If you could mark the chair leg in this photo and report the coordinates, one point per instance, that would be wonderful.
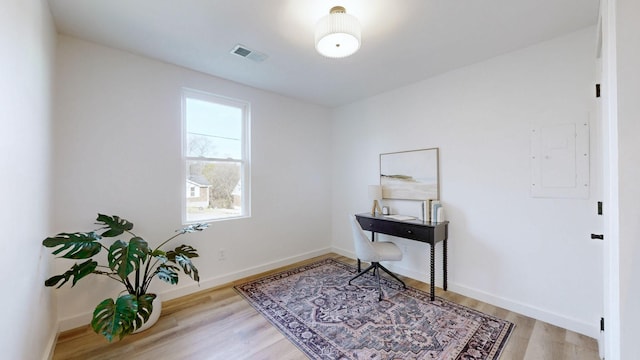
(392, 275)
(377, 272)
(373, 266)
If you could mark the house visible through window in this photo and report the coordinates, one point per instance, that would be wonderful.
(216, 150)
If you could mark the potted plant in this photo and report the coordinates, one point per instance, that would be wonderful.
(133, 264)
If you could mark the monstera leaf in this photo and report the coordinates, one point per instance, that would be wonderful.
(122, 317)
(160, 255)
(115, 224)
(145, 308)
(182, 256)
(193, 227)
(186, 250)
(124, 258)
(115, 319)
(77, 271)
(77, 245)
(168, 274)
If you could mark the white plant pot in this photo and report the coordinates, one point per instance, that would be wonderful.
(153, 318)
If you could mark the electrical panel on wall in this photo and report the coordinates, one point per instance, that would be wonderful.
(560, 159)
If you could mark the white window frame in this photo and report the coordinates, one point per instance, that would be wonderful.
(245, 164)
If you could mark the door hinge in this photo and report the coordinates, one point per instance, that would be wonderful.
(599, 207)
(601, 324)
(597, 90)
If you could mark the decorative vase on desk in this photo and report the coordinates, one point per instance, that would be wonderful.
(375, 194)
(425, 211)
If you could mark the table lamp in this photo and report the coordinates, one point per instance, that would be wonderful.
(375, 193)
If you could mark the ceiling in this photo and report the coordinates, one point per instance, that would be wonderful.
(403, 41)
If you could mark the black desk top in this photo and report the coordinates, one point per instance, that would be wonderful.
(414, 221)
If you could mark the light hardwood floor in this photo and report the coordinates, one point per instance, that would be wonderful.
(219, 324)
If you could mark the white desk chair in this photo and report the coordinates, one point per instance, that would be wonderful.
(374, 252)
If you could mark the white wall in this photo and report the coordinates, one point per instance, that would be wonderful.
(27, 43)
(118, 151)
(628, 90)
(527, 254)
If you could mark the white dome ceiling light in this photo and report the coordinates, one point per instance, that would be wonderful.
(338, 34)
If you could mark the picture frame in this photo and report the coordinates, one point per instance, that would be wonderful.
(410, 175)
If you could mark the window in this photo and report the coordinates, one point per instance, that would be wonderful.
(216, 157)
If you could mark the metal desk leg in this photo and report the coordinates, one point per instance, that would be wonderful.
(444, 264)
(433, 271)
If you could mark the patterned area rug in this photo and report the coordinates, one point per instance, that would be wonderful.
(315, 308)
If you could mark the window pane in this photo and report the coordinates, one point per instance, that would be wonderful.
(213, 130)
(217, 190)
(215, 146)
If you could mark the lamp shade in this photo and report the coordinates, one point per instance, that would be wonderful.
(375, 192)
(337, 34)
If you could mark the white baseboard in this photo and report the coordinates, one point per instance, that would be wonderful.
(74, 321)
(51, 345)
(588, 329)
(227, 278)
(85, 318)
(591, 330)
(343, 252)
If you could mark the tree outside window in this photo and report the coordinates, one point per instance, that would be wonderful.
(216, 157)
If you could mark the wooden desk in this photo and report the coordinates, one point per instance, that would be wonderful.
(427, 232)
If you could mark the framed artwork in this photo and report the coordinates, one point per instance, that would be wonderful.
(410, 175)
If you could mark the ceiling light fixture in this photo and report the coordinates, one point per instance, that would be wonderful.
(338, 34)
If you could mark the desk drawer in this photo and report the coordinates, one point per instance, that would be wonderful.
(407, 231)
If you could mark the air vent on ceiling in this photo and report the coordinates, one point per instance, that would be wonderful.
(247, 53)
